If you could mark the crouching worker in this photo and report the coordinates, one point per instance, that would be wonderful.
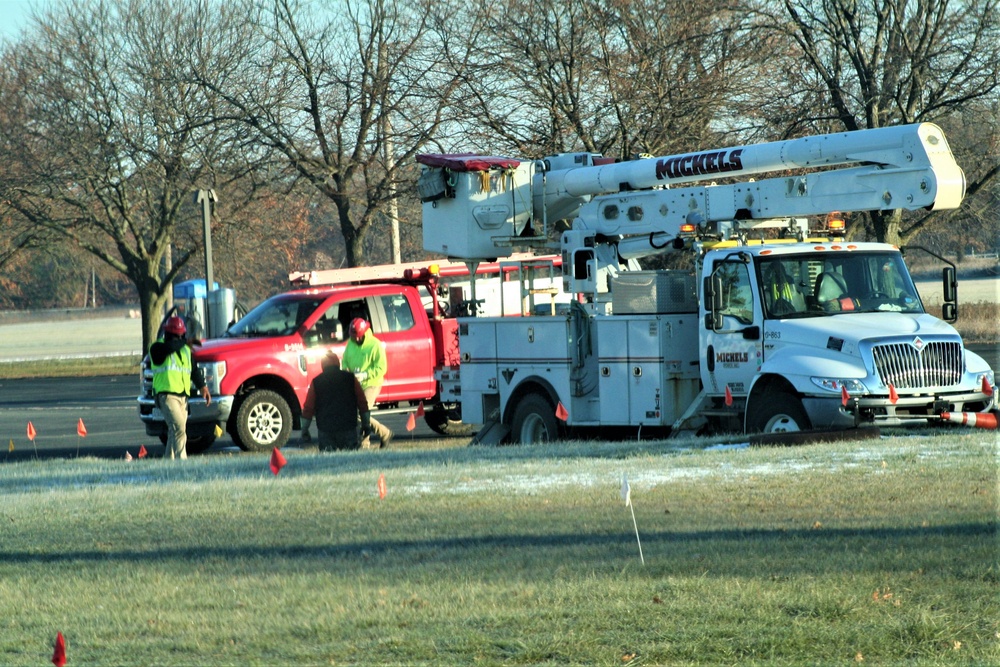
(336, 401)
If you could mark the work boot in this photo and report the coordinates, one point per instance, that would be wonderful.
(386, 439)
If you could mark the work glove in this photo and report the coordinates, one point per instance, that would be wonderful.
(361, 375)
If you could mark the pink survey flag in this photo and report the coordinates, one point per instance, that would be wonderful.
(277, 461)
(561, 413)
(59, 651)
(81, 430)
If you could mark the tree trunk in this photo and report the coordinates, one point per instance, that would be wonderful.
(888, 226)
(151, 305)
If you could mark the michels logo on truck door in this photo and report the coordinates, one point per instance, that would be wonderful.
(713, 162)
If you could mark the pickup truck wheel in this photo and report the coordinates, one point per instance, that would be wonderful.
(263, 421)
(199, 445)
(534, 421)
(777, 412)
(446, 422)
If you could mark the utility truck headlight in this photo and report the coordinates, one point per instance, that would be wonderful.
(213, 371)
(837, 385)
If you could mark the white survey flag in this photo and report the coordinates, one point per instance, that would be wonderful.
(626, 491)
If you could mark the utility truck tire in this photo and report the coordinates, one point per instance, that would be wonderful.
(778, 412)
(446, 422)
(263, 421)
(534, 421)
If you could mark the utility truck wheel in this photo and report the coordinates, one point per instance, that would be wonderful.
(263, 421)
(446, 422)
(777, 412)
(534, 421)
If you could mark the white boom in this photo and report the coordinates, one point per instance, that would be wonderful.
(909, 166)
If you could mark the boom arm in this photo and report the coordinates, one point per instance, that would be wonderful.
(919, 154)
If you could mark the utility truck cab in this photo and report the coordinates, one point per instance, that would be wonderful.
(830, 335)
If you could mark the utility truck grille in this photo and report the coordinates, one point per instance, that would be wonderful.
(910, 366)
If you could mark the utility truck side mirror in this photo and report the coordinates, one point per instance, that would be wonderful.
(712, 295)
(949, 309)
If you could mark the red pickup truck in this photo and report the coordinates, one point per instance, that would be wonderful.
(259, 371)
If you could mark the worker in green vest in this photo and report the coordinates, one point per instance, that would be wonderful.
(365, 357)
(173, 374)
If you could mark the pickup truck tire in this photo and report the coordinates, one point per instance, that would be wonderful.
(446, 422)
(777, 412)
(534, 421)
(194, 445)
(263, 421)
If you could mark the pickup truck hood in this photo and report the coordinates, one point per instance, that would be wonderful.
(221, 348)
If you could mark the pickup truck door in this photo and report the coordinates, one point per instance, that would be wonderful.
(400, 322)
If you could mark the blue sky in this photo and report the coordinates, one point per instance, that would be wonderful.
(14, 15)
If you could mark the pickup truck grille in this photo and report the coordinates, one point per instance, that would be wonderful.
(938, 364)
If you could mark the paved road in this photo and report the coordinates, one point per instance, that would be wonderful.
(107, 407)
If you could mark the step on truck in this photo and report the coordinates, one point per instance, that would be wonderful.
(778, 327)
(259, 370)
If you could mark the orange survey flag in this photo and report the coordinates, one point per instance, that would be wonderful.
(81, 430)
(411, 422)
(142, 451)
(561, 412)
(420, 408)
(31, 432)
(729, 397)
(381, 486)
(278, 461)
(59, 651)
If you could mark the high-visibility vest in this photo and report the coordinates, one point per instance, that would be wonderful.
(173, 376)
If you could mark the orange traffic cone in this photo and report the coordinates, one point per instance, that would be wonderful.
(977, 419)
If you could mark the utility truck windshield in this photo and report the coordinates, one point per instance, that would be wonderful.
(816, 285)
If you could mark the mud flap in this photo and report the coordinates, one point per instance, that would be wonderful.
(492, 433)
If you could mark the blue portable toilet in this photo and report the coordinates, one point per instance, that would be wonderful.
(189, 297)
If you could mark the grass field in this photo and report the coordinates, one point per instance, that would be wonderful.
(879, 552)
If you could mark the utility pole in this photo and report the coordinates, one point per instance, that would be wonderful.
(207, 198)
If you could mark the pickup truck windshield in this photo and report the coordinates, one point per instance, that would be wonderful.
(280, 315)
(816, 285)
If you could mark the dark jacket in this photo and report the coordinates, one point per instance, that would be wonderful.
(336, 400)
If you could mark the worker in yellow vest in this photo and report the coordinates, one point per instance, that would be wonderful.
(173, 374)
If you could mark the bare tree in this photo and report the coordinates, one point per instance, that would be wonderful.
(619, 77)
(107, 149)
(889, 62)
(331, 90)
